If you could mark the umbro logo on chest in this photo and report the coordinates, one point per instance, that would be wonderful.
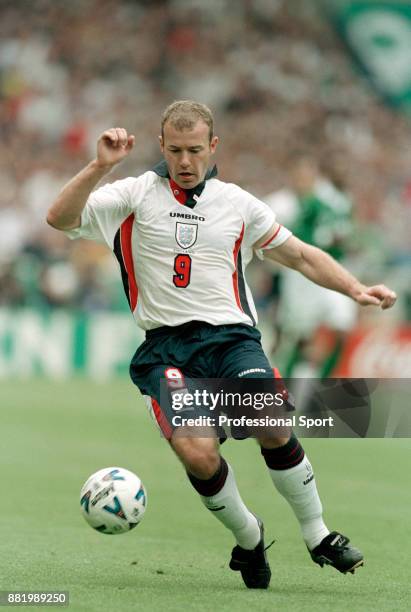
(187, 216)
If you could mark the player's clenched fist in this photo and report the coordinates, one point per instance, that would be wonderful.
(378, 295)
(113, 146)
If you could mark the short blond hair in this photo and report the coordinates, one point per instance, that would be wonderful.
(184, 114)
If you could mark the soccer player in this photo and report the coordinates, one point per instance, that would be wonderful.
(318, 213)
(183, 239)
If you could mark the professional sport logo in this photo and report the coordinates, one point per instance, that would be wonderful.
(186, 234)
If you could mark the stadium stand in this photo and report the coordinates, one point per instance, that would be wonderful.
(275, 73)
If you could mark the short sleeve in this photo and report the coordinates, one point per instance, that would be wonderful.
(259, 219)
(106, 209)
(280, 235)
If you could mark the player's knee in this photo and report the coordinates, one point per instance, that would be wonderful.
(200, 457)
(202, 464)
(273, 441)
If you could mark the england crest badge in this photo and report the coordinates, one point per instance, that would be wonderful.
(186, 234)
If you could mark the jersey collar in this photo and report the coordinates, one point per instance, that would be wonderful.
(187, 197)
(162, 170)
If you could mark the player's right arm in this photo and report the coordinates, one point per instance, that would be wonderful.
(113, 146)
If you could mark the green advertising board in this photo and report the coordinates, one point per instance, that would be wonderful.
(60, 344)
(378, 34)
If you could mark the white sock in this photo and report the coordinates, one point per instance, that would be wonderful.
(297, 486)
(228, 507)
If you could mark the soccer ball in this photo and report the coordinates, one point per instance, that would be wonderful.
(113, 500)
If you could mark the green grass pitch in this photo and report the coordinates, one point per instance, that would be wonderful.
(54, 435)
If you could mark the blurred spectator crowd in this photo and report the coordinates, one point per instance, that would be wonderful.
(275, 74)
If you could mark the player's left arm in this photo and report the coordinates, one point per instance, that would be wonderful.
(323, 270)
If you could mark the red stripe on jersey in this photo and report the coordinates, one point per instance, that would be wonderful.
(178, 192)
(161, 419)
(271, 238)
(236, 250)
(126, 232)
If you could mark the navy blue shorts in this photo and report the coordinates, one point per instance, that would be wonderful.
(192, 351)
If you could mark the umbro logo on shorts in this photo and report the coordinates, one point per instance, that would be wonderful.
(251, 371)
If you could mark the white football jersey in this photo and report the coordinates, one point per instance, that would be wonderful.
(180, 264)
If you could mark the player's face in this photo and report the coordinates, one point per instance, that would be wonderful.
(303, 177)
(187, 153)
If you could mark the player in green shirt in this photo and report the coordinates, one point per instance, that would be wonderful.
(317, 212)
